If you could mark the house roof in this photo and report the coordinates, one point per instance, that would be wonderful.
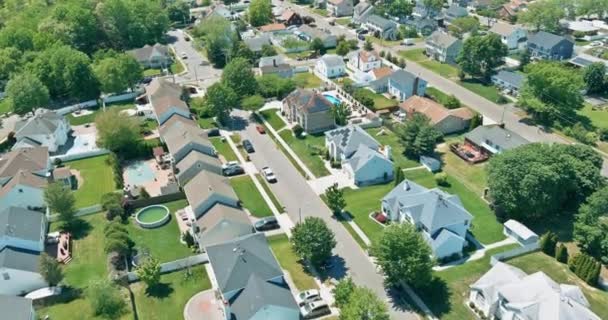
(315, 32)
(583, 60)
(25, 178)
(261, 299)
(433, 110)
(236, 261)
(16, 308)
(503, 138)
(513, 78)
(26, 159)
(287, 14)
(520, 229)
(204, 185)
(444, 236)
(270, 61)
(381, 72)
(364, 56)
(255, 44)
(147, 51)
(455, 10)
(308, 101)
(165, 95)
(503, 29)
(194, 158)
(223, 223)
(499, 274)
(402, 80)
(442, 39)
(41, 124)
(363, 156)
(62, 173)
(546, 39)
(336, 2)
(381, 22)
(176, 118)
(362, 6)
(332, 60)
(21, 223)
(272, 27)
(180, 135)
(19, 259)
(349, 138)
(275, 69)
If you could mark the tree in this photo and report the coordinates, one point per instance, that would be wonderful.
(544, 14)
(313, 241)
(536, 182)
(403, 255)
(335, 198)
(220, 99)
(418, 136)
(260, 12)
(364, 304)
(272, 85)
(561, 254)
(179, 11)
(459, 26)
(547, 243)
(433, 4)
(106, 299)
(441, 178)
(238, 76)
(317, 46)
(452, 102)
(591, 7)
(149, 272)
(595, 78)
(118, 73)
(400, 8)
(343, 48)
(26, 93)
(116, 132)
(268, 51)
(50, 270)
(480, 55)
(341, 112)
(9, 62)
(61, 200)
(218, 37)
(590, 230)
(343, 291)
(368, 45)
(254, 102)
(399, 176)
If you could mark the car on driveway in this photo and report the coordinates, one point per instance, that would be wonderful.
(314, 309)
(269, 174)
(265, 224)
(248, 146)
(260, 129)
(307, 296)
(184, 55)
(233, 171)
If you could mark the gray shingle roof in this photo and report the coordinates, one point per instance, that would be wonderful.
(28, 159)
(261, 299)
(494, 135)
(22, 223)
(402, 80)
(164, 95)
(204, 185)
(348, 139)
(545, 39)
(44, 123)
(181, 135)
(442, 39)
(503, 29)
(147, 51)
(363, 155)
(223, 223)
(456, 11)
(15, 308)
(512, 78)
(381, 22)
(256, 44)
(236, 261)
(308, 101)
(270, 61)
(19, 259)
(332, 60)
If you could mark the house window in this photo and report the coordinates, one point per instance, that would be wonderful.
(6, 276)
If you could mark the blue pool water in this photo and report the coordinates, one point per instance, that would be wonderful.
(139, 173)
(332, 99)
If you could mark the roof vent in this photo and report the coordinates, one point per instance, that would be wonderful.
(406, 186)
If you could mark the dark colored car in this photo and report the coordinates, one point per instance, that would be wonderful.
(146, 80)
(248, 146)
(213, 132)
(233, 171)
(268, 223)
(361, 37)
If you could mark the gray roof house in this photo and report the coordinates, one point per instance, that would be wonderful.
(256, 44)
(48, 129)
(454, 11)
(207, 189)
(166, 101)
(220, 224)
(508, 81)
(22, 228)
(362, 10)
(19, 273)
(310, 109)
(195, 162)
(369, 166)
(381, 27)
(443, 47)
(402, 85)
(340, 8)
(156, 56)
(309, 33)
(424, 26)
(508, 291)
(513, 36)
(330, 66)
(251, 280)
(548, 46)
(343, 142)
(275, 65)
(17, 308)
(440, 216)
(493, 139)
(182, 139)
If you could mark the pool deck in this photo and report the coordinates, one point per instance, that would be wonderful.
(161, 178)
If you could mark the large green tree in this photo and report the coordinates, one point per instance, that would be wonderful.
(313, 241)
(118, 73)
(543, 15)
(418, 136)
(480, 55)
(218, 37)
(260, 12)
(179, 11)
(149, 272)
(9, 62)
(61, 200)
(238, 76)
(117, 133)
(335, 198)
(537, 182)
(26, 93)
(591, 7)
(219, 101)
(591, 226)
(50, 270)
(595, 77)
(460, 26)
(363, 303)
(341, 113)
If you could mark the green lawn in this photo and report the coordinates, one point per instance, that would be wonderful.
(382, 42)
(236, 139)
(361, 202)
(98, 179)
(560, 273)
(76, 306)
(207, 123)
(167, 302)
(443, 69)
(306, 80)
(223, 148)
(321, 12)
(89, 118)
(487, 91)
(289, 261)
(473, 176)
(439, 96)
(599, 118)
(4, 106)
(176, 67)
(415, 55)
(250, 196)
(343, 21)
(152, 72)
(380, 102)
(392, 140)
(304, 147)
(275, 121)
(269, 192)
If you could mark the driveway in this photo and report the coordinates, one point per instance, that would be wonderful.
(300, 201)
(197, 65)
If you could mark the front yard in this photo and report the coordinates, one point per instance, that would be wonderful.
(487, 91)
(391, 139)
(273, 119)
(281, 247)
(307, 149)
(361, 202)
(306, 80)
(443, 69)
(250, 196)
(97, 179)
(598, 117)
(223, 148)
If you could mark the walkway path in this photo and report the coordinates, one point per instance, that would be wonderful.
(476, 255)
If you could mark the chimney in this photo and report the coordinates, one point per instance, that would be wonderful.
(415, 89)
(406, 186)
(274, 62)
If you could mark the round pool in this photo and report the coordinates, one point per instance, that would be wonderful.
(152, 216)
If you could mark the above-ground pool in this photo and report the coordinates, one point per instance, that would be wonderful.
(152, 216)
(139, 173)
(332, 99)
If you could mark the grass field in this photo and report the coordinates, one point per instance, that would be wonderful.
(5, 107)
(89, 118)
(443, 69)
(266, 187)
(207, 123)
(487, 91)
(321, 12)
(152, 72)
(599, 118)
(250, 196)
(473, 176)
(380, 102)
(98, 179)
(361, 202)
(275, 121)
(223, 148)
(306, 80)
(392, 140)
(303, 148)
(343, 21)
(281, 247)
(75, 305)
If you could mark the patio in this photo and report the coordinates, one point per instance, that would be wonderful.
(82, 139)
(205, 306)
(468, 153)
(147, 174)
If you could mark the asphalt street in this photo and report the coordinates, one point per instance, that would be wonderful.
(199, 71)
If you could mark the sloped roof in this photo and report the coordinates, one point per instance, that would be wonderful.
(443, 237)
(332, 60)
(381, 72)
(433, 110)
(257, 43)
(270, 61)
(350, 137)
(521, 230)
(545, 39)
(363, 156)
(180, 135)
(442, 39)
(204, 185)
(402, 79)
(499, 274)
(26, 159)
(16, 308)
(165, 95)
(503, 29)
(19, 259)
(236, 261)
(498, 136)
(147, 51)
(21, 223)
(513, 78)
(41, 124)
(287, 14)
(26, 178)
(272, 27)
(223, 223)
(176, 118)
(308, 101)
(196, 157)
(381, 22)
(261, 299)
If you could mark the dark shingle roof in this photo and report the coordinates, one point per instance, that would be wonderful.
(509, 77)
(381, 22)
(21, 223)
(261, 299)
(308, 101)
(19, 259)
(504, 138)
(545, 39)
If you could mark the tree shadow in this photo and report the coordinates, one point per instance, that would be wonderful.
(160, 291)
(562, 226)
(440, 303)
(79, 228)
(335, 269)
(237, 123)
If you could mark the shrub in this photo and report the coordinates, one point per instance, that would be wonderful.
(106, 300)
(144, 193)
(441, 178)
(548, 242)
(254, 102)
(188, 239)
(472, 306)
(401, 63)
(297, 130)
(561, 254)
(342, 291)
(585, 267)
(602, 134)
(389, 56)
(452, 102)
(502, 99)
(581, 134)
(382, 54)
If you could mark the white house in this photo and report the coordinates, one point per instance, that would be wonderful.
(207, 189)
(513, 36)
(17, 308)
(24, 190)
(48, 129)
(330, 66)
(506, 292)
(368, 166)
(343, 142)
(439, 216)
(22, 229)
(402, 85)
(364, 60)
(19, 273)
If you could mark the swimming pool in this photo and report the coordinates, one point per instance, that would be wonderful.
(332, 99)
(139, 173)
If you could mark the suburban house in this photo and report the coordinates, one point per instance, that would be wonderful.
(379, 73)
(48, 129)
(24, 190)
(548, 46)
(513, 36)
(424, 26)
(195, 162)
(34, 160)
(273, 27)
(341, 143)
(250, 280)
(362, 10)
(492, 139)
(340, 8)
(156, 56)
(22, 229)
(17, 308)
(309, 33)
(220, 224)
(256, 44)
(310, 109)
(182, 138)
(368, 166)
(443, 119)
(421, 10)
(508, 81)
(290, 18)
(330, 66)
(507, 292)
(402, 85)
(381, 27)
(509, 10)
(443, 47)
(439, 216)
(364, 61)
(275, 65)
(207, 189)
(518, 231)
(454, 11)
(19, 271)
(166, 101)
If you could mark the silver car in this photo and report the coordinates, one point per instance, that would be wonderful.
(315, 309)
(307, 296)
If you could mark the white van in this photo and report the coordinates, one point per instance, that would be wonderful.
(408, 42)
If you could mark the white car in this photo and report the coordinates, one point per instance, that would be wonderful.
(596, 43)
(314, 309)
(269, 175)
(184, 55)
(307, 296)
(230, 164)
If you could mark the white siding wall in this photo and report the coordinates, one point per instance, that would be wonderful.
(20, 282)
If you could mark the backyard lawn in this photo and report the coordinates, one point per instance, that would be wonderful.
(76, 306)
(98, 179)
(473, 176)
(306, 80)
(89, 118)
(304, 147)
(392, 140)
(275, 121)
(207, 123)
(380, 102)
(223, 148)
(560, 273)
(167, 302)
(598, 117)
(266, 187)
(250, 196)
(281, 247)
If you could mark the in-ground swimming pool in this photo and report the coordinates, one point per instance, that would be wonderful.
(332, 99)
(152, 216)
(139, 173)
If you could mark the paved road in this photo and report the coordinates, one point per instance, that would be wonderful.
(295, 194)
(198, 67)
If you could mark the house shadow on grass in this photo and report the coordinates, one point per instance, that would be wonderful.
(160, 291)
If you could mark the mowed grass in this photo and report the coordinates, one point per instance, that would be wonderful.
(98, 179)
(361, 202)
(487, 91)
(79, 307)
(250, 196)
(206, 123)
(305, 147)
(343, 21)
(599, 118)
(273, 119)
(380, 102)
(474, 176)
(167, 301)
(223, 148)
(443, 69)
(288, 260)
(391, 139)
(306, 80)
(269, 192)
(89, 118)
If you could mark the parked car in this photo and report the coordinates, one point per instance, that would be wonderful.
(307, 296)
(314, 309)
(146, 80)
(361, 37)
(213, 132)
(260, 129)
(265, 224)
(596, 43)
(248, 146)
(268, 174)
(230, 164)
(184, 55)
(233, 171)
(408, 42)
(332, 22)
